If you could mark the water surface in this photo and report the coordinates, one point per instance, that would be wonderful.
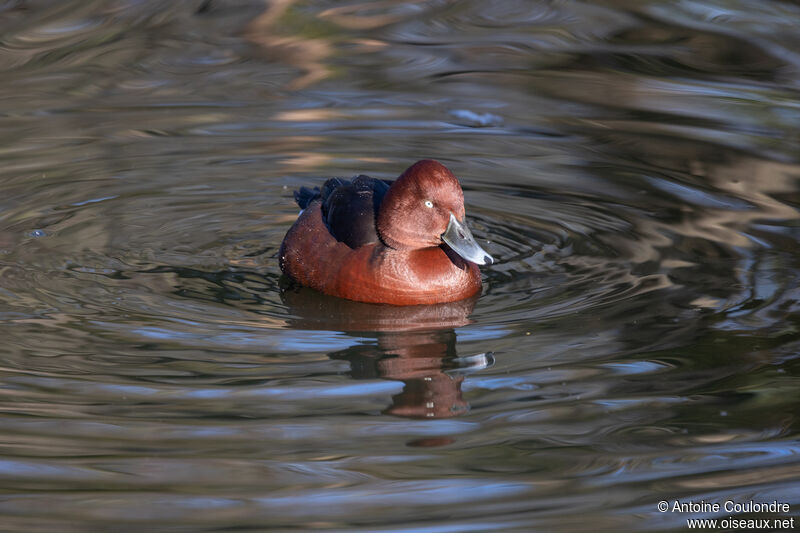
(631, 165)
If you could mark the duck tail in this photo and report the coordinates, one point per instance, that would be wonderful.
(305, 196)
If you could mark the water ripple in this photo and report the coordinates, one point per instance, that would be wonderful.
(632, 166)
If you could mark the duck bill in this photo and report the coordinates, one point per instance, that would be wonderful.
(460, 239)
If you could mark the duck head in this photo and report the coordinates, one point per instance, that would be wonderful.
(425, 208)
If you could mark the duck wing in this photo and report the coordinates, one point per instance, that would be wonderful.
(349, 207)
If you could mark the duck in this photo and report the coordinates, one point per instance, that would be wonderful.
(401, 242)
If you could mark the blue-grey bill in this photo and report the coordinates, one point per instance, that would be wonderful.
(460, 239)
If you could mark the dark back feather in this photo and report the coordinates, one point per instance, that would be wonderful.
(305, 196)
(349, 207)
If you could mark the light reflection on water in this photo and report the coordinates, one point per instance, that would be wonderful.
(632, 166)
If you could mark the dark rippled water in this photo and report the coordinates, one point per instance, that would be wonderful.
(633, 166)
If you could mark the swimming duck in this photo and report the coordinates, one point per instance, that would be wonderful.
(402, 243)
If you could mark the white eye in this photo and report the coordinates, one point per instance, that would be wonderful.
(428, 203)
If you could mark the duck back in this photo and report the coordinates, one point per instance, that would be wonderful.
(349, 207)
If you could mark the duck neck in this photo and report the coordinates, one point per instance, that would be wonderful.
(395, 236)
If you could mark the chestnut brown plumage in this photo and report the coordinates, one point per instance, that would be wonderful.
(382, 242)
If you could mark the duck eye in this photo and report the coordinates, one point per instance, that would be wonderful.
(428, 203)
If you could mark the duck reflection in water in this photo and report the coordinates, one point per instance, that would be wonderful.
(413, 344)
